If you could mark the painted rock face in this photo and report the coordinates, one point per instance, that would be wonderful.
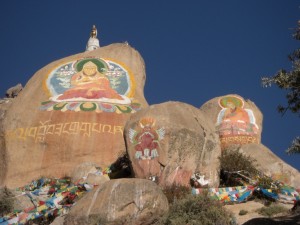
(237, 121)
(73, 111)
(91, 84)
(169, 142)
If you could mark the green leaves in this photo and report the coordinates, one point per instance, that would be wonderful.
(290, 82)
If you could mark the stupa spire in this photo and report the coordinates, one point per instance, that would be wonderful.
(93, 42)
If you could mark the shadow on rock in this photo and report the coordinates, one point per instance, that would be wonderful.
(284, 220)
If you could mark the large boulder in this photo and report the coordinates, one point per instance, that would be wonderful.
(237, 121)
(4, 106)
(73, 111)
(121, 201)
(169, 142)
(271, 165)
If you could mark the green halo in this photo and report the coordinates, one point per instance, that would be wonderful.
(236, 101)
(101, 64)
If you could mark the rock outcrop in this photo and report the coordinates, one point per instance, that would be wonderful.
(169, 142)
(73, 111)
(122, 201)
(271, 165)
(237, 121)
(14, 91)
(4, 106)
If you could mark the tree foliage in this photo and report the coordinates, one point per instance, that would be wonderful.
(232, 160)
(236, 167)
(289, 81)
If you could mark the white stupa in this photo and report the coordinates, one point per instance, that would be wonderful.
(93, 42)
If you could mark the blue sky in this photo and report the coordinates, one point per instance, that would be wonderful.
(193, 50)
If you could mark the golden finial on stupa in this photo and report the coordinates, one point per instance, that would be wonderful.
(93, 42)
(94, 32)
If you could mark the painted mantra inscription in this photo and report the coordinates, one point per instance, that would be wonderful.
(85, 129)
(238, 140)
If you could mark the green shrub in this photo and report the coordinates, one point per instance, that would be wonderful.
(265, 182)
(6, 201)
(232, 160)
(243, 212)
(176, 192)
(196, 210)
(271, 210)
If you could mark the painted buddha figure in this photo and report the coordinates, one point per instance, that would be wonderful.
(235, 113)
(90, 84)
(233, 119)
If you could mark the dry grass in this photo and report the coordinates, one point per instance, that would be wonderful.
(196, 210)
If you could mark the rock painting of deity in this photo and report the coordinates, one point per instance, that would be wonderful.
(235, 124)
(91, 84)
(146, 139)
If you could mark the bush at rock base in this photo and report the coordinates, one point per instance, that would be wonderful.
(265, 182)
(121, 167)
(176, 192)
(232, 161)
(6, 201)
(196, 210)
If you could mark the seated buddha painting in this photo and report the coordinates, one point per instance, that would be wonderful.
(89, 83)
(235, 124)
